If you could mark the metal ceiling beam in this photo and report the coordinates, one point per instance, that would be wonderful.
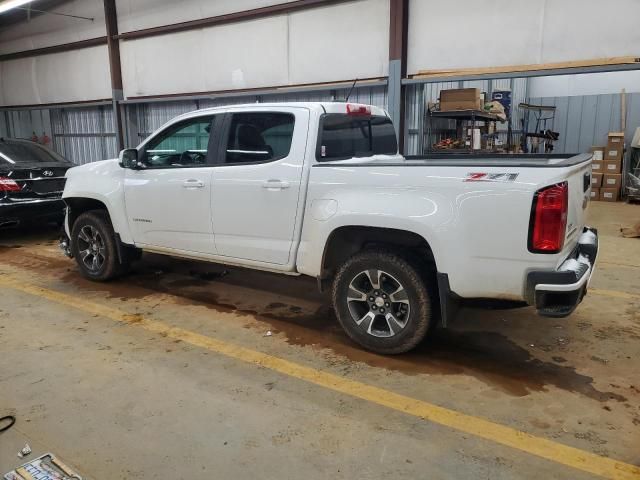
(623, 67)
(111, 21)
(65, 47)
(253, 14)
(45, 106)
(44, 12)
(253, 92)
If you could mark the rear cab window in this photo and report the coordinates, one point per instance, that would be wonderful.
(345, 136)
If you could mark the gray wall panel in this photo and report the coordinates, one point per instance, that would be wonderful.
(633, 115)
(574, 121)
(84, 135)
(587, 127)
(585, 121)
(560, 123)
(603, 119)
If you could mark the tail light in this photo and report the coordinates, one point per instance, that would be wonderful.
(548, 223)
(8, 185)
(358, 110)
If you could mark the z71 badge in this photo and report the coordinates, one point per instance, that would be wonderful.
(491, 177)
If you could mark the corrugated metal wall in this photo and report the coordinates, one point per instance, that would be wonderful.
(151, 116)
(88, 134)
(584, 121)
(25, 123)
(84, 135)
(420, 95)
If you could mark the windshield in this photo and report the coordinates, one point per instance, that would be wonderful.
(20, 151)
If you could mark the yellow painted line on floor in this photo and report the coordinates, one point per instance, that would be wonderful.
(501, 434)
(614, 294)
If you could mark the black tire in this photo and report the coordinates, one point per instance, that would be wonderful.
(398, 324)
(93, 244)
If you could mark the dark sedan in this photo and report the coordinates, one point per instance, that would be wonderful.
(31, 183)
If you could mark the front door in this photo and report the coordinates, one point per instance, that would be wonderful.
(168, 199)
(256, 189)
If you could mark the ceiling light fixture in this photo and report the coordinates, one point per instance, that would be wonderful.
(9, 4)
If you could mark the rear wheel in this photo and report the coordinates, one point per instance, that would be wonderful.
(94, 247)
(383, 302)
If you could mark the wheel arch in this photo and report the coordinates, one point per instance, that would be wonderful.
(346, 240)
(79, 204)
(76, 206)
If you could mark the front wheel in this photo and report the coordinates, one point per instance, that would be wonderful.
(93, 245)
(382, 302)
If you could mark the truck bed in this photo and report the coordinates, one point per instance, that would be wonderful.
(477, 227)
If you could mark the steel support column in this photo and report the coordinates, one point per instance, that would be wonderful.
(398, 28)
(111, 20)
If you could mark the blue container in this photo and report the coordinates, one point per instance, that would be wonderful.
(504, 97)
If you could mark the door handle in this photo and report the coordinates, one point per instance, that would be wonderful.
(274, 184)
(193, 183)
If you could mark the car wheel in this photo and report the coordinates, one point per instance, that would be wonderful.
(94, 247)
(383, 302)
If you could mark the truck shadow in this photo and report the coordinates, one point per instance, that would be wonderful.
(482, 344)
(294, 308)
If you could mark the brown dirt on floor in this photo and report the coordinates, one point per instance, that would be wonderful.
(305, 318)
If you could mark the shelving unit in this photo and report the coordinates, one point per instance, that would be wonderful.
(472, 117)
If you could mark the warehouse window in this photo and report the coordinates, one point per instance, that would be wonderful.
(343, 136)
(259, 137)
(184, 144)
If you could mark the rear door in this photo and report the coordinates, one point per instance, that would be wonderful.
(168, 200)
(257, 185)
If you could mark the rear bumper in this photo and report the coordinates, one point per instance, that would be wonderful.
(34, 210)
(557, 293)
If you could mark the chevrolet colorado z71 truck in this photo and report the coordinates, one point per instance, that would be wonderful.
(319, 189)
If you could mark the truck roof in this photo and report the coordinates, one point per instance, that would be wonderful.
(328, 107)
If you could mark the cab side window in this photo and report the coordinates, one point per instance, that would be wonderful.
(184, 144)
(259, 137)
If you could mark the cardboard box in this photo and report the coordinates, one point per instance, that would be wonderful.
(460, 99)
(615, 138)
(597, 167)
(595, 194)
(609, 194)
(598, 153)
(612, 180)
(615, 146)
(612, 166)
(596, 180)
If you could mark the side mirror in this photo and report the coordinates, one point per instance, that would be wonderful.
(129, 158)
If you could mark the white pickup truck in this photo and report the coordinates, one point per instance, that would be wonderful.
(319, 189)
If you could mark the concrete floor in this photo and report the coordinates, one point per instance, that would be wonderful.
(116, 400)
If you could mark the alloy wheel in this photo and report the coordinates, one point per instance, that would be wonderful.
(378, 303)
(91, 248)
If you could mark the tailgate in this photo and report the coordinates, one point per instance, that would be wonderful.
(579, 180)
